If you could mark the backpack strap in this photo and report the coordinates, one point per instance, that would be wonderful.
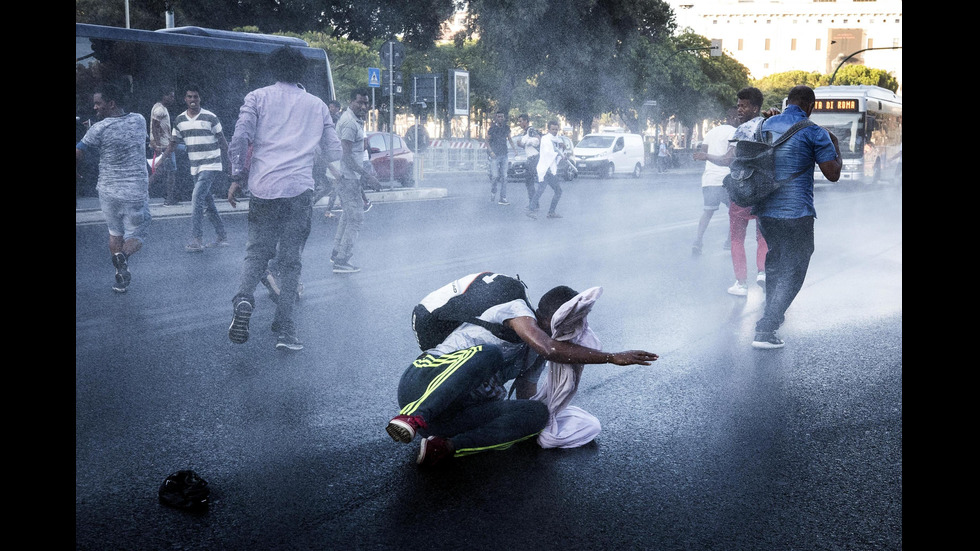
(787, 135)
(791, 130)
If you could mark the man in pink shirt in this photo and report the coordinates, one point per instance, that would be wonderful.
(286, 128)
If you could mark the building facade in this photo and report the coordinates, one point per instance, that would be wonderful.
(775, 36)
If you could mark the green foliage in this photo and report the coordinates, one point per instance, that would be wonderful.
(859, 74)
(349, 61)
(776, 86)
(145, 14)
(584, 59)
(581, 56)
(417, 22)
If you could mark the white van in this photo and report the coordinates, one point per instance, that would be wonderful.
(608, 153)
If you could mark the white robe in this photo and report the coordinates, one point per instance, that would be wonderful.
(549, 155)
(569, 426)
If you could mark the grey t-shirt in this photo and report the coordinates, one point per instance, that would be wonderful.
(351, 129)
(121, 146)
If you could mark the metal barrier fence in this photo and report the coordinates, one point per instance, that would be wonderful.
(455, 155)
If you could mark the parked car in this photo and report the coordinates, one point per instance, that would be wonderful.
(380, 146)
(517, 165)
(608, 153)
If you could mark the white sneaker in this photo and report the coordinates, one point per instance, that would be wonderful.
(761, 280)
(739, 289)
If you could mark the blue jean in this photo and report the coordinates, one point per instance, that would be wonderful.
(498, 175)
(549, 180)
(203, 202)
(281, 225)
(790, 242)
(439, 389)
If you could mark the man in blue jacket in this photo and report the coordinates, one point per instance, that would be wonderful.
(786, 217)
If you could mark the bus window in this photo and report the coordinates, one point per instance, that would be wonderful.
(224, 65)
(848, 127)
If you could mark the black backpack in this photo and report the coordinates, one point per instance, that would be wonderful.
(753, 170)
(446, 308)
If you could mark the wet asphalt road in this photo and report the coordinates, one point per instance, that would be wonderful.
(715, 446)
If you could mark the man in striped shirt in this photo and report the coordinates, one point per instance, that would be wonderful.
(207, 150)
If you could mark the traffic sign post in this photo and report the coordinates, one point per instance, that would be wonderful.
(392, 54)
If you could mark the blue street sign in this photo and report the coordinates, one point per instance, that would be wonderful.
(374, 77)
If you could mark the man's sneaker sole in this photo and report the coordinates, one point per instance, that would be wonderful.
(738, 291)
(238, 331)
(341, 269)
(289, 345)
(769, 344)
(765, 345)
(400, 431)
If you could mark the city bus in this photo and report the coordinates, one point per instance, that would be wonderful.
(225, 65)
(867, 121)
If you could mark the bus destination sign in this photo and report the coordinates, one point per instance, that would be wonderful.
(824, 105)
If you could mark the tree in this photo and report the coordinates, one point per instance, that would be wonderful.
(419, 22)
(689, 84)
(776, 86)
(576, 53)
(349, 60)
(859, 74)
(146, 14)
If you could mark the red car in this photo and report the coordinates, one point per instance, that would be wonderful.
(380, 146)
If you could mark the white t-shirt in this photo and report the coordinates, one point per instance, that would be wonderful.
(160, 114)
(468, 335)
(717, 141)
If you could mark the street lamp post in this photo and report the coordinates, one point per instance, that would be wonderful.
(841, 64)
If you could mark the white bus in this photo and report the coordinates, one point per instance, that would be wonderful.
(867, 121)
(226, 66)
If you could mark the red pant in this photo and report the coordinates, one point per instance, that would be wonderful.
(738, 223)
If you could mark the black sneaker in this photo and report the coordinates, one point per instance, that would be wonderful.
(340, 267)
(238, 331)
(288, 341)
(123, 277)
(767, 340)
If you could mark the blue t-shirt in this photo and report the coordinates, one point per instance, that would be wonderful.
(806, 148)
